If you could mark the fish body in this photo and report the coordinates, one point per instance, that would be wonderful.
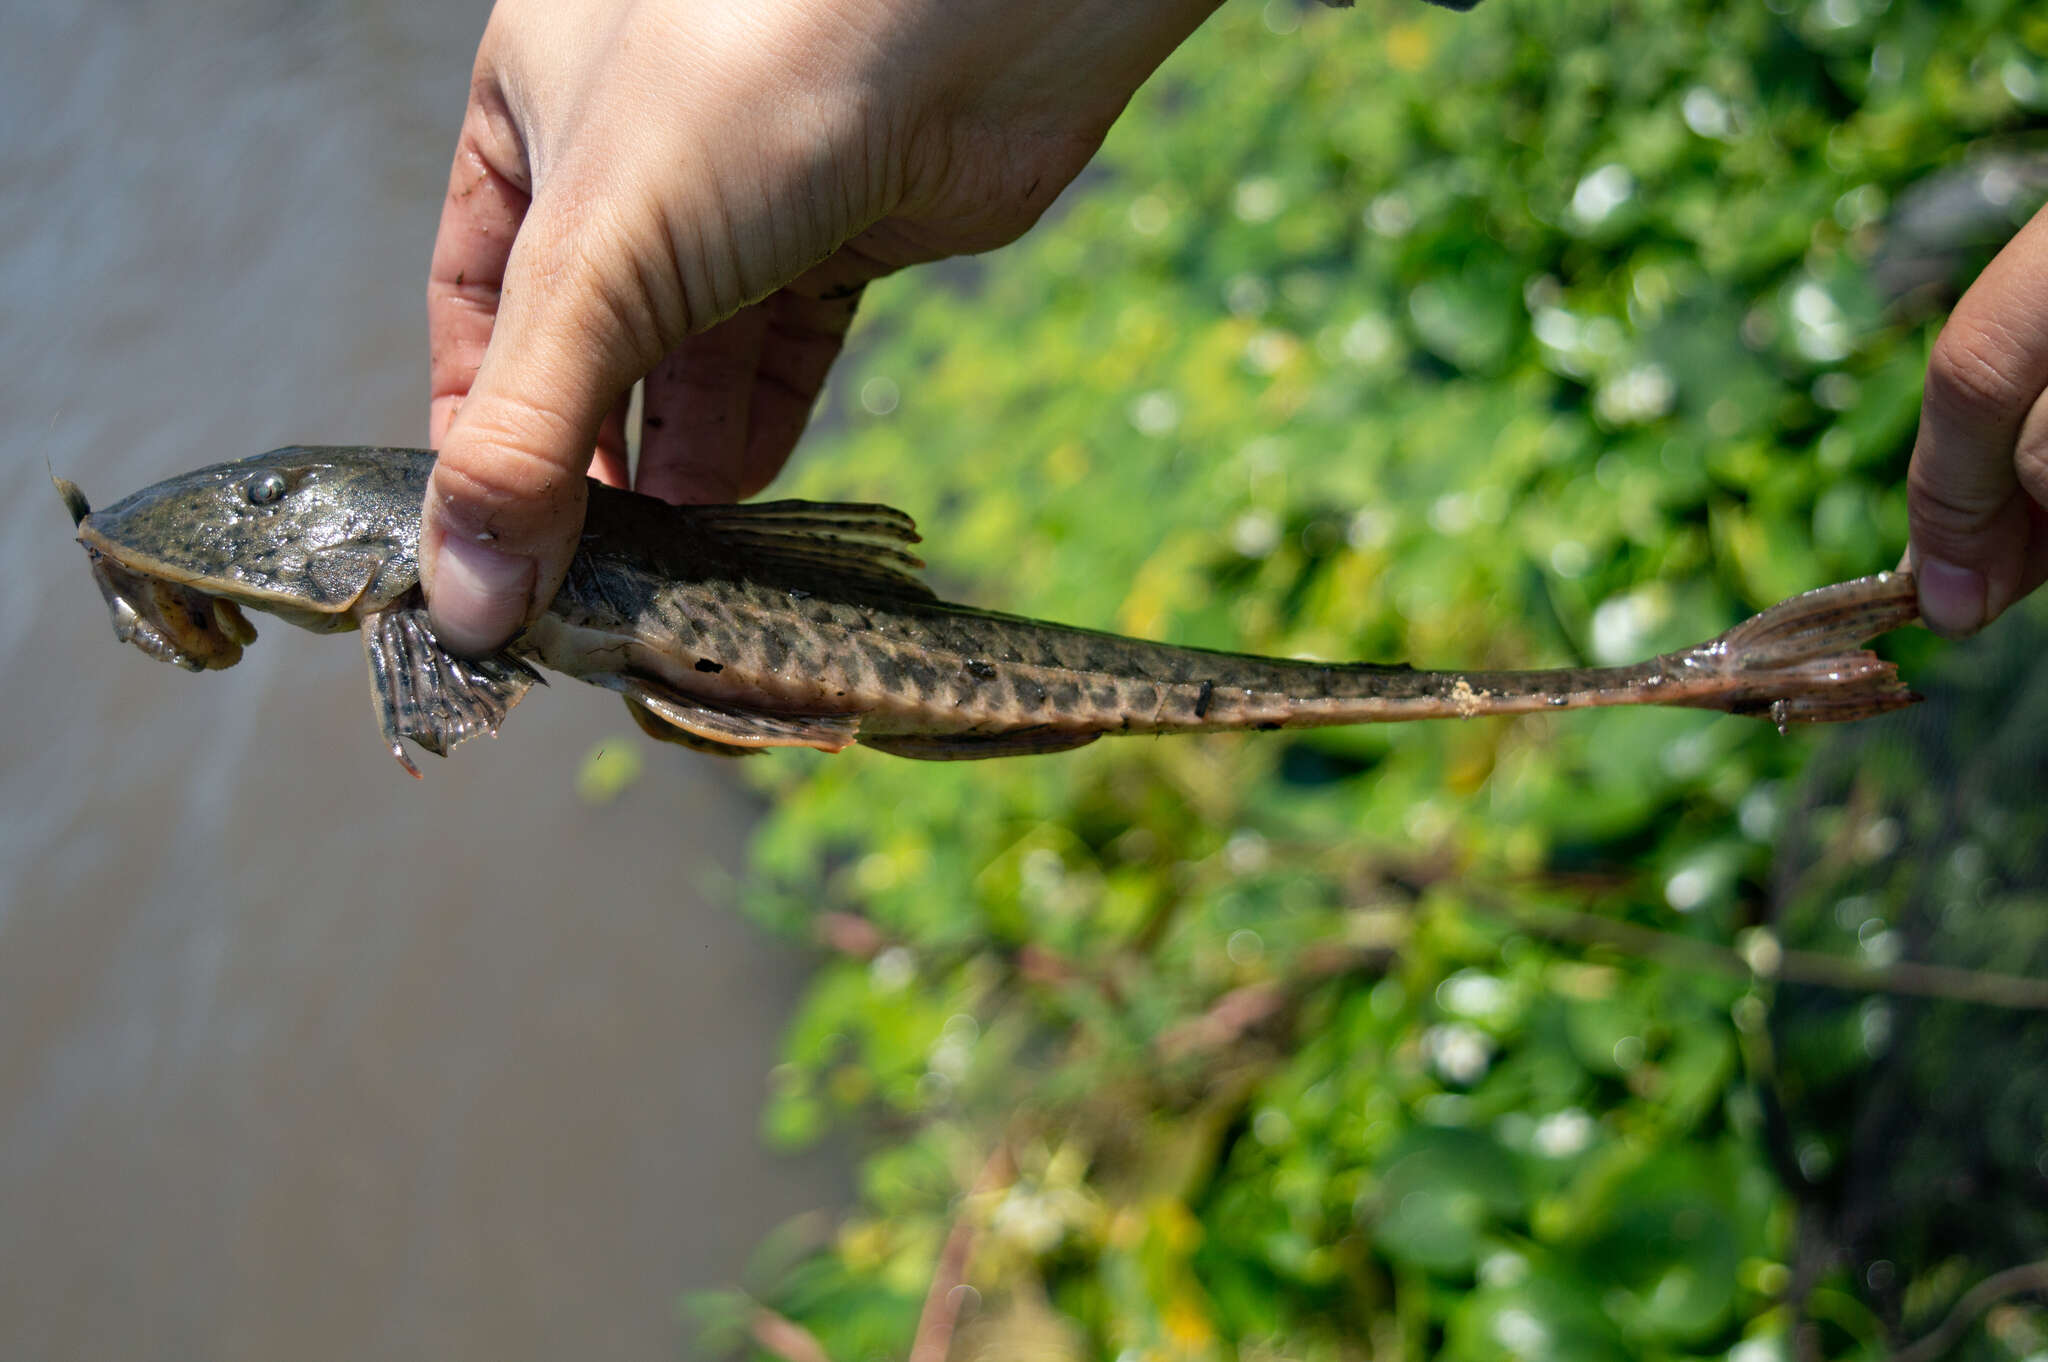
(734, 628)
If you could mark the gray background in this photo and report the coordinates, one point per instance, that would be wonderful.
(299, 1057)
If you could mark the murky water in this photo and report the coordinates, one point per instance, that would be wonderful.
(298, 1057)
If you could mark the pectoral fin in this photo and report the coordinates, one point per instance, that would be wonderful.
(699, 721)
(426, 693)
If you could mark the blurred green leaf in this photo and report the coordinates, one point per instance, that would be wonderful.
(608, 771)
(1541, 335)
(1442, 1193)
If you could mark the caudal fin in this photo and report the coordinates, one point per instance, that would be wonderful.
(1803, 659)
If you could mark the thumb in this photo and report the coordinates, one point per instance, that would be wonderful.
(505, 504)
(1968, 490)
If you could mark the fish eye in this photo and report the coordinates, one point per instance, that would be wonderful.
(265, 488)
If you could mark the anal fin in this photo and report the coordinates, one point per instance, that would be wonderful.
(661, 730)
(1023, 742)
(729, 725)
(424, 692)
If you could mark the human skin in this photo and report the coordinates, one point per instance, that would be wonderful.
(1977, 491)
(694, 192)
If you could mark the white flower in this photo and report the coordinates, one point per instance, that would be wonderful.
(1459, 1053)
(1563, 1133)
(1601, 192)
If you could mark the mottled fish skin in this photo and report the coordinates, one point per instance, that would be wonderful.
(929, 668)
(794, 623)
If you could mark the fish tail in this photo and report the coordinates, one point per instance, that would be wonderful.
(1802, 660)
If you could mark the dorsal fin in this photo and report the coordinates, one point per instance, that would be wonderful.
(808, 539)
(837, 517)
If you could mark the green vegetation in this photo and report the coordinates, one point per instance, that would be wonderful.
(1552, 333)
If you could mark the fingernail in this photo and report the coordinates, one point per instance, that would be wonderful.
(1951, 598)
(480, 596)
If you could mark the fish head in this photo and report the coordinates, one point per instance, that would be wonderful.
(319, 537)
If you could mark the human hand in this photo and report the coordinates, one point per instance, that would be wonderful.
(695, 192)
(1977, 492)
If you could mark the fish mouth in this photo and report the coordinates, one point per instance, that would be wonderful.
(169, 620)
